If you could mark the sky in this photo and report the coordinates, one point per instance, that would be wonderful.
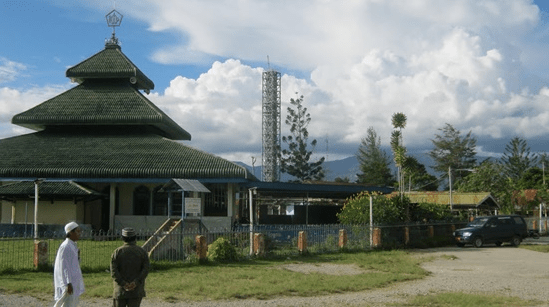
(479, 65)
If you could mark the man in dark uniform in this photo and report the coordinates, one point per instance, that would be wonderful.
(129, 268)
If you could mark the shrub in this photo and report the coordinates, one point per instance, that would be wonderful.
(222, 250)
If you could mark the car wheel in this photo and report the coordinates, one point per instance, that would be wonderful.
(498, 243)
(515, 241)
(478, 242)
(460, 244)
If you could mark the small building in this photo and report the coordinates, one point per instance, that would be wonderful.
(304, 203)
(476, 203)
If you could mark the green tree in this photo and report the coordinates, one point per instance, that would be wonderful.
(451, 150)
(417, 176)
(399, 151)
(295, 159)
(489, 177)
(388, 210)
(517, 158)
(532, 178)
(356, 210)
(374, 161)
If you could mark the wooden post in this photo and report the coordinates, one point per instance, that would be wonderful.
(201, 247)
(302, 242)
(406, 235)
(259, 244)
(377, 238)
(40, 254)
(342, 238)
(431, 231)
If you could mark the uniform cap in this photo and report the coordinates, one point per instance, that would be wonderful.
(70, 227)
(128, 232)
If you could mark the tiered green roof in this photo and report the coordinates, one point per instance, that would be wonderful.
(116, 155)
(108, 94)
(105, 128)
(100, 103)
(107, 64)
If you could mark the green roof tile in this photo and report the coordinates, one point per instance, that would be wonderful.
(100, 103)
(66, 188)
(117, 155)
(107, 64)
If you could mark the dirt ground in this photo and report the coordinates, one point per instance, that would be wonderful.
(502, 271)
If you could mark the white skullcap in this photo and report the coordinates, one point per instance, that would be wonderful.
(70, 226)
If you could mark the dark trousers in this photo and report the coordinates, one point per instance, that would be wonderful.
(128, 302)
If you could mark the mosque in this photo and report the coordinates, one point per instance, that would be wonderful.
(104, 155)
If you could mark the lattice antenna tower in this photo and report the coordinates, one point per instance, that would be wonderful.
(271, 107)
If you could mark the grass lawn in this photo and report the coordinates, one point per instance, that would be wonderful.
(264, 279)
(538, 248)
(246, 279)
(460, 299)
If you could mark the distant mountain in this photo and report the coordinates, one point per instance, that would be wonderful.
(347, 167)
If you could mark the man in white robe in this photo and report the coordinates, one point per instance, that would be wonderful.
(67, 276)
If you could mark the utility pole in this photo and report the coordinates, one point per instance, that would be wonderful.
(450, 184)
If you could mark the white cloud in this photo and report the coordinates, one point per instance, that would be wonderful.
(221, 109)
(307, 34)
(9, 70)
(460, 67)
(468, 63)
(13, 101)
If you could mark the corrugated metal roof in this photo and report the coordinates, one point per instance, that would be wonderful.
(115, 155)
(190, 185)
(107, 64)
(100, 104)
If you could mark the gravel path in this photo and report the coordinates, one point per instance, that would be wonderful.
(495, 270)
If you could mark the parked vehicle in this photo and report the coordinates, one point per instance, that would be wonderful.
(492, 229)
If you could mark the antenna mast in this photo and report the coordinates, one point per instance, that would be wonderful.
(271, 105)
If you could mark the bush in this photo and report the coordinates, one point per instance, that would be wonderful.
(222, 250)
(388, 211)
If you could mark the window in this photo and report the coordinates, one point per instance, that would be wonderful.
(215, 202)
(160, 202)
(141, 200)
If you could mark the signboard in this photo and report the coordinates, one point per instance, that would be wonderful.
(193, 205)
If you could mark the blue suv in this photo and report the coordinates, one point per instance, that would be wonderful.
(492, 229)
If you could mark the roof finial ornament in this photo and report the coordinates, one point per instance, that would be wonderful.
(114, 19)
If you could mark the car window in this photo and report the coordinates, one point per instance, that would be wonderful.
(518, 220)
(505, 221)
(478, 222)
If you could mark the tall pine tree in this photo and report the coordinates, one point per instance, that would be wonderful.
(295, 159)
(374, 161)
(517, 158)
(452, 150)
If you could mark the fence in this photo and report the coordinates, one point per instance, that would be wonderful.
(17, 253)
(539, 224)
